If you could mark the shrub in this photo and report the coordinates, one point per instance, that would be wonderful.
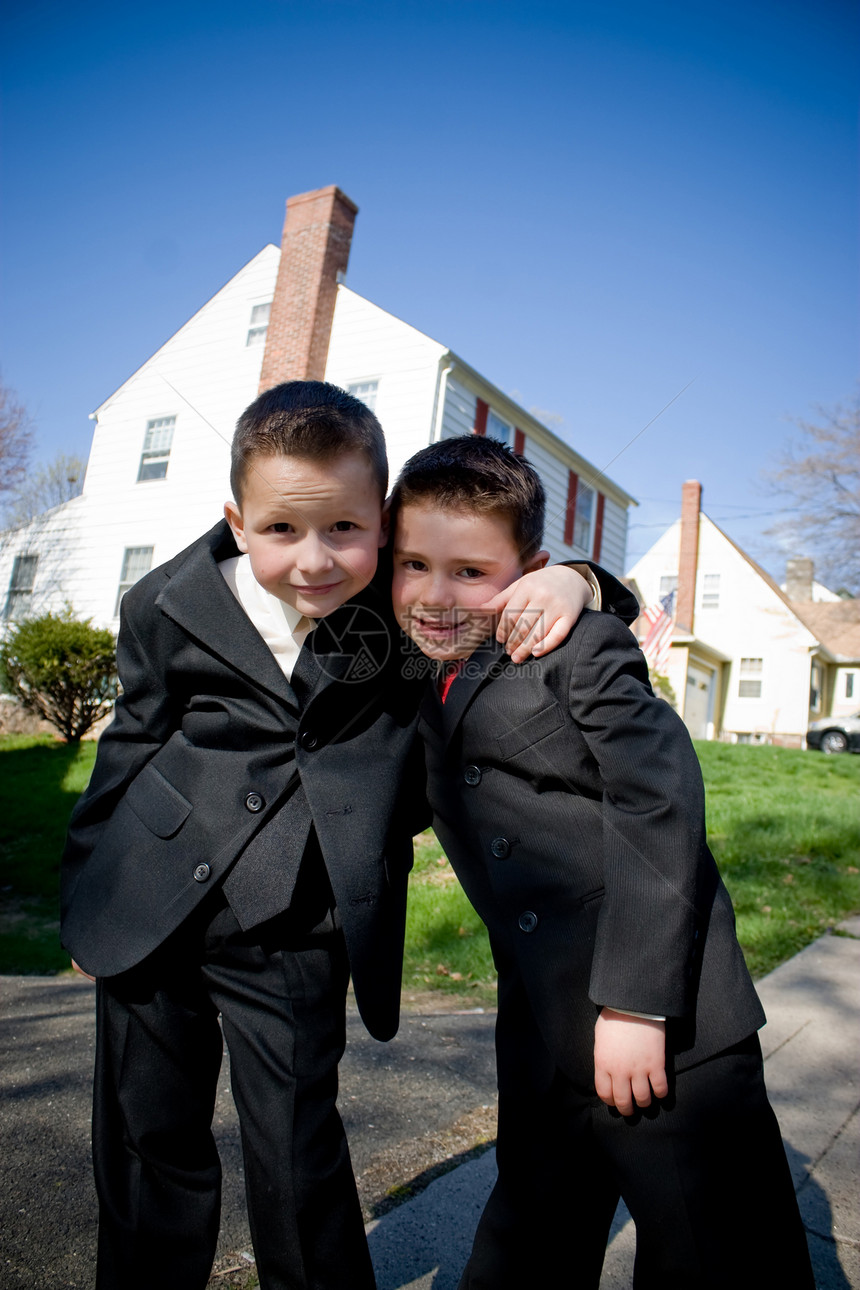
(62, 668)
(662, 687)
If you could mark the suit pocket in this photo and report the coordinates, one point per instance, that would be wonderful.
(531, 731)
(591, 897)
(156, 803)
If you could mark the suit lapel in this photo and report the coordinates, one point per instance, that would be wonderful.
(198, 600)
(315, 669)
(444, 718)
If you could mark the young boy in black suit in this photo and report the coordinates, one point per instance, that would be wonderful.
(243, 845)
(570, 803)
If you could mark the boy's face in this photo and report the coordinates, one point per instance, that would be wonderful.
(446, 564)
(312, 529)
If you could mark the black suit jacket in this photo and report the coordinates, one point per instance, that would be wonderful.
(570, 802)
(195, 780)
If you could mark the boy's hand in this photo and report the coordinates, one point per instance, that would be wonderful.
(629, 1060)
(538, 610)
(80, 971)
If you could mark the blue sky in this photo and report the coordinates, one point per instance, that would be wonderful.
(593, 204)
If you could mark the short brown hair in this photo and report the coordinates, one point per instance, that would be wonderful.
(310, 419)
(471, 473)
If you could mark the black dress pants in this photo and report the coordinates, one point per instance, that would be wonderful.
(280, 992)
(703, 1173)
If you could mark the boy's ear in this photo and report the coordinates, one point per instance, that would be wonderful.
(385, 525)
(539, 561)
(233, 516)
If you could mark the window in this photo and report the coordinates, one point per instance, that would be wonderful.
(499, 429)
(711, 591)
(136, 561)
(668, 584)
(750, 678)
(259, 325)
(366, 391)
(20, 591)
(156, 448)
(584, 513)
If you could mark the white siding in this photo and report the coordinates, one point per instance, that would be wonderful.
(55, 539)
(613, 550)
(460, 406)
(369, 344)
(554, 474)
(660, 560)
(204, 376)
(547, 455)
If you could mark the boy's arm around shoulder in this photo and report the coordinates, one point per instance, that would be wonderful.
(539, 609)
(610, 593)
(655, 856)
(144, 717)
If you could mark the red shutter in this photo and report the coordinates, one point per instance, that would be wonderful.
(481, 411)
(598, 527)
(570, 512)
(519, 441)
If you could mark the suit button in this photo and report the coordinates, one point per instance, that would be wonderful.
(472, 775)
(308, 740)
(500, 847)
(527, 921)
(201, 872)
(254, 802)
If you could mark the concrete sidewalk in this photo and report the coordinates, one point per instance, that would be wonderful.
(426, 1096)
(811, 1046)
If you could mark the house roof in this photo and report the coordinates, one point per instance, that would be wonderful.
(835, 623)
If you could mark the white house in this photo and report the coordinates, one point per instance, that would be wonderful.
(158, 468)
(835, 622)
(748, 661)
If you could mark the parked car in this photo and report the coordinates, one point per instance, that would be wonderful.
(835, 734)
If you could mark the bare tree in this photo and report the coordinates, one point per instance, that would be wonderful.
(16, 440)
(44, 488)
(819, 473)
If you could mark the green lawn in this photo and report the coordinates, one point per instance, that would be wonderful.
(784, 826)
(40, 781)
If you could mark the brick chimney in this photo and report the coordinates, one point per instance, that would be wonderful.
(688, 560)
(314, 250)
(798, 579)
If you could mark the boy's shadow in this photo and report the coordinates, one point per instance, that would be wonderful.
(424, 1244)
(817, 1215)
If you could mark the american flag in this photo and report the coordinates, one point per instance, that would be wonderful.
(658, 638)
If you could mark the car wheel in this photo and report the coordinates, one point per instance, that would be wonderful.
(834, 741)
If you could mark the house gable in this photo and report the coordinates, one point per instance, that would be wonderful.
(741, 614)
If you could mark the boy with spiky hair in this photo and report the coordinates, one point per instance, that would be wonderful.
(570, 803)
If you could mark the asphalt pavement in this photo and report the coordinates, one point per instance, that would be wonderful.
(413, 1108)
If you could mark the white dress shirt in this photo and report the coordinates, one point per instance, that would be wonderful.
(283, 628)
